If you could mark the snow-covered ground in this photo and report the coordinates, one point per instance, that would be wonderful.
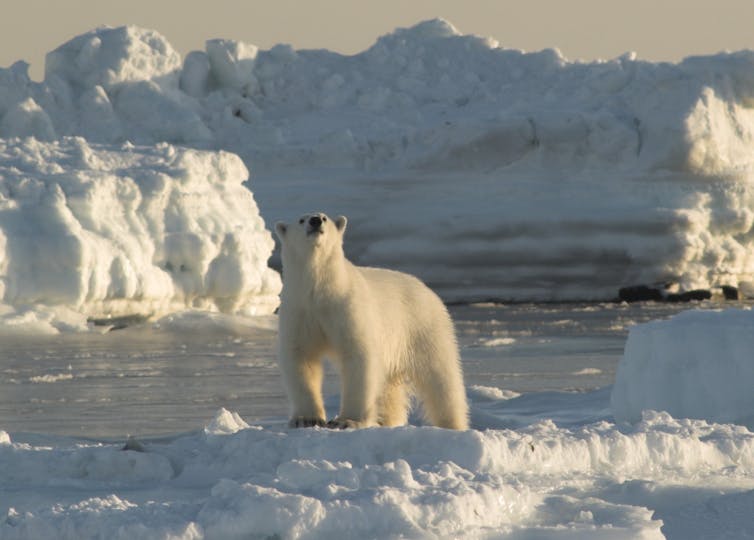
(235, 481)
(211, 456)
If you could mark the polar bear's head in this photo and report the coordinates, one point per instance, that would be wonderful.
(313, 234)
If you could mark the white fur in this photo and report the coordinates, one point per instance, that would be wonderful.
(385, 331)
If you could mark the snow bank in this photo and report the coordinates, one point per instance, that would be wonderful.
(453, 157)
(698, 364)
(120, 230)
(409, 482)
(405, 482)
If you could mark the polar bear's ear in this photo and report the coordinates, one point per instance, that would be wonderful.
(340, 223)
(280, 229)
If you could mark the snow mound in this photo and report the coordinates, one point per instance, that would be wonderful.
(577, 178)
(225, 422)
(696, 365)
(120, 230)
(404, 482)
(490, 393)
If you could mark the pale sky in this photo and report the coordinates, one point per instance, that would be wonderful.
(581, 29)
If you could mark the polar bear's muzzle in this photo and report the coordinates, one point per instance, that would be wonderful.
(314, 226)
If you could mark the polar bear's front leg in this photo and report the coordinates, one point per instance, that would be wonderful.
(360, 382)
(302, 376)
(303, 381)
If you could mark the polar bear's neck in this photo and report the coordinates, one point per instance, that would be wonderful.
(321, 273)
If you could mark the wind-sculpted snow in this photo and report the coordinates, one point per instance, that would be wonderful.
(487, 171)
(122, 230)
(409, 482)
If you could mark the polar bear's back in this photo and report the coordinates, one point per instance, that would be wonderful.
(390, 287)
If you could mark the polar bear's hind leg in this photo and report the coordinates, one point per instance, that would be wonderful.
(393, 404)
(439, 385)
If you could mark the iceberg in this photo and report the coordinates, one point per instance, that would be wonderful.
(697, 364)
(111, 231)
(489, 172)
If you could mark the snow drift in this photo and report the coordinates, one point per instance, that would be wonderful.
(123, 230)
(487, 171)
(233, 481)
(696, 365)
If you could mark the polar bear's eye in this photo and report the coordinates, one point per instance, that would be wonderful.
(301, 221)
(324, 218)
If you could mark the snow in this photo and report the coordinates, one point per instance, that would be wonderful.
(695, 365)
(51, 378)
(498, 342)
(106, 231)
(578, 178)
(411, 482)
(225, 423)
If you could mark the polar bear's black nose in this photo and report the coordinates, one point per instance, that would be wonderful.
(315, 221)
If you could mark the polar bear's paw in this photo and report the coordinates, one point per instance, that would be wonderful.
(306, 421)
(346, 423)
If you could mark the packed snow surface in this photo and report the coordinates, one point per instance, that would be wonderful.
(453, 157)
(699, 364)
(238, 481)
(107, 231)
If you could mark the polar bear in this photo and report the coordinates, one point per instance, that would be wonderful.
(385, 331)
